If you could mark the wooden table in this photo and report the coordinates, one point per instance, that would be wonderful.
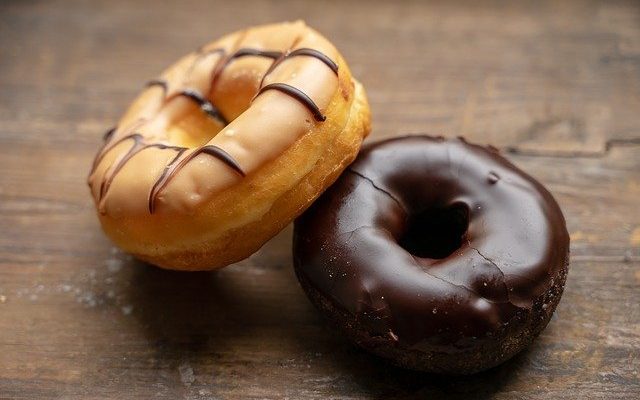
(556, 85)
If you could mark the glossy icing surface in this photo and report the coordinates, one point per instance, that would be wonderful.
(260, 90)
(366, 243)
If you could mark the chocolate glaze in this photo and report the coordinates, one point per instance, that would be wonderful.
(347, 245)
(207, 107)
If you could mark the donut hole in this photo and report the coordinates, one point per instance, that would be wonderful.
(191, 127)
(436, 232)
(194, 128)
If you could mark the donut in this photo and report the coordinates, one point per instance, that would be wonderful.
(437, 254)
(228, 146)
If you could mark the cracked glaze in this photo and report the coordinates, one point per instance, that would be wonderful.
(346, 245)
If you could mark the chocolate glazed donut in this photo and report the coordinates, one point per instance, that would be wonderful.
(435, 253)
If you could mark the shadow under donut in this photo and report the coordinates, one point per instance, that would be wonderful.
(359, 371)
(203, 316)
(254, 313)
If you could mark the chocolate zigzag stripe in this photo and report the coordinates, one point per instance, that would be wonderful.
(296, 94)
(107, 135)
(162, 181)
(158, 82)
(137, 147)
(106, 148)
(172, 169)
(243, 52)
(303, 51)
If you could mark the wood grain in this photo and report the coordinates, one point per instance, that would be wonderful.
(556, 85)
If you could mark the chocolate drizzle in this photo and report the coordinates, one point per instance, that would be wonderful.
(158, 82)
(178, 162)
(133, 150)
(106, 138)
(304, 51)
(243, 52)
(221, 155)
(204, 104)
(273, 54)
(106, 147)
(107, 135)
(192, 94)
(301, 52)
(296, 94)
(173, 167)
(137, 147)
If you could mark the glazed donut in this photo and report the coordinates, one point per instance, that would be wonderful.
(437, 254)
(228, 146)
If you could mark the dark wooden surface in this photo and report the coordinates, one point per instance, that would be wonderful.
(554, 84)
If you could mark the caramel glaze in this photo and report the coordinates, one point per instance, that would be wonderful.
(347, 245)
(137, 147)
(173, 167)
(176, 163)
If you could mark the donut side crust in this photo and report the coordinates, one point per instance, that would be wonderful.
(227, 249)
(503, 345)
